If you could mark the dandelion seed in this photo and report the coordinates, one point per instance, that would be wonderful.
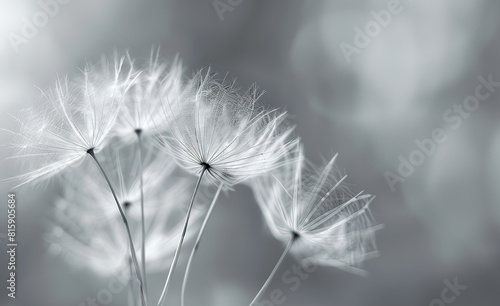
(224, 132)
(316, 216)
(142, 111)
(88, 223)
(72, 118)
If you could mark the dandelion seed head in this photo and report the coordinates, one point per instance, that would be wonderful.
(330, 225)
(89, 227)
(75, 115)
(142, 112)
(223, 131)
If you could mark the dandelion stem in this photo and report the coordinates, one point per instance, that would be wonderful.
(197, 243)
(181, 240)
(131, 292)
(143, 226)
(132, 300)
(270, 278)
(125, 222)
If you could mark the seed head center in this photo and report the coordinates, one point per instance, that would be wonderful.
(205, 165)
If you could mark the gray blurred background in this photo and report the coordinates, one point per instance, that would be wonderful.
(442, 222)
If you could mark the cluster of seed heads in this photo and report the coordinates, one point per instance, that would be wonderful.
(150, 130)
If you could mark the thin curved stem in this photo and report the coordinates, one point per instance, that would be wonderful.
(143, 226)
(197, 243)
(181, 240)
(270, 278)
(131, 292)
(125, 222)
(132, 299)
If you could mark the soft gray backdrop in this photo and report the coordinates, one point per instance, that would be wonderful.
(442, 222)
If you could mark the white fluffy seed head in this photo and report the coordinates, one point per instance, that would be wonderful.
(216, 128)
(332, 225)
(142, 111)
(87, 224)
(75, 115)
